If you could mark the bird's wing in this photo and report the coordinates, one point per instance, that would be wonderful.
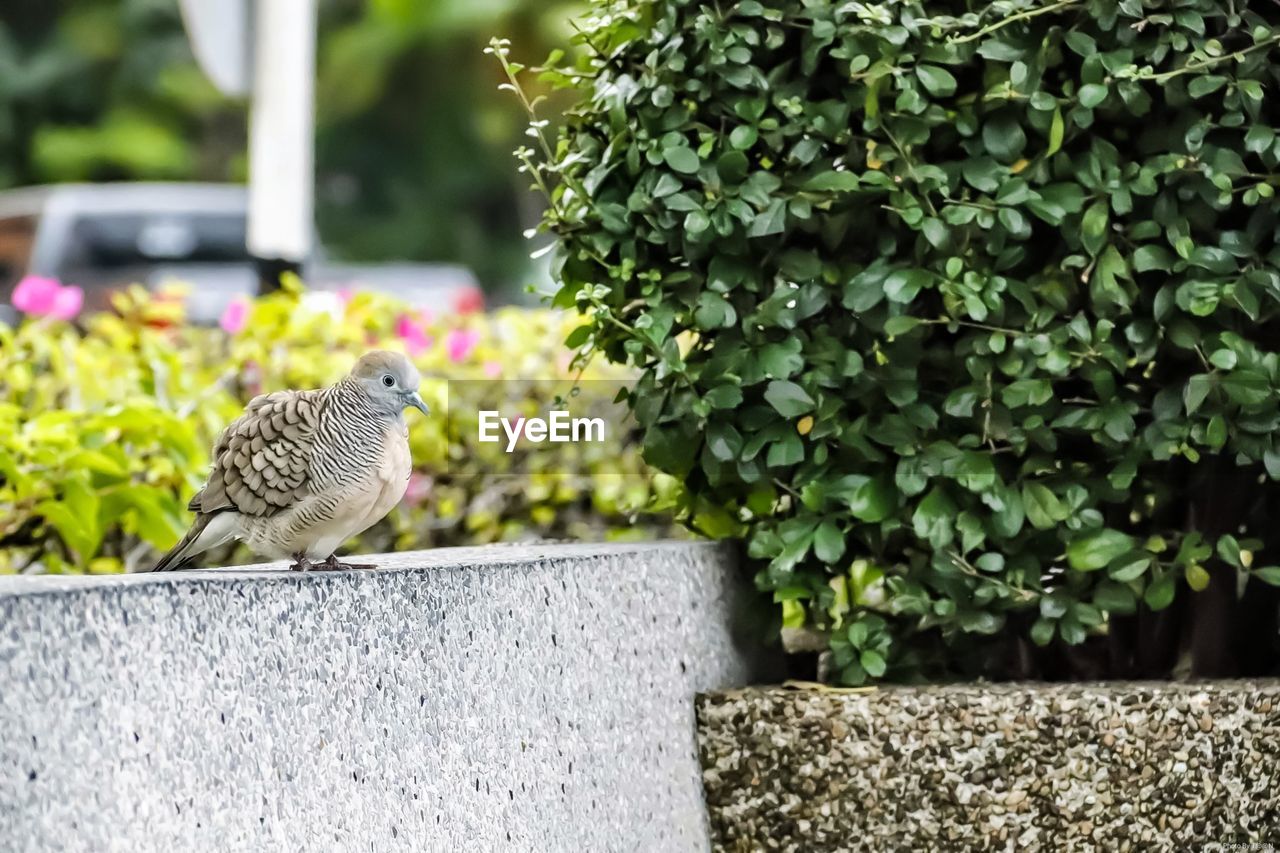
(262, 461)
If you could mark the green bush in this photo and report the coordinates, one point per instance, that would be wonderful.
(105, 431)
(966, 313)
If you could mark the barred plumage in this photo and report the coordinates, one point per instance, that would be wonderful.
(300, 472)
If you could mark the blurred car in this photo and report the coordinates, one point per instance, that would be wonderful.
(104, 237)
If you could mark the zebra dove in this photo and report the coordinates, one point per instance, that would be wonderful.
(301, 472)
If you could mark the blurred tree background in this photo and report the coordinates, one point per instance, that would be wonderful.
(413, 140)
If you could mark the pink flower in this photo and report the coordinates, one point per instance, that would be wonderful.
(492, 369)
(36, 294)
(460, 343)
(345, 295)
(43, 296)
(415, 337)
(235, 316)
(67, 303)
(469, 300)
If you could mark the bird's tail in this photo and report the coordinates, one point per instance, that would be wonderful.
(186, 547)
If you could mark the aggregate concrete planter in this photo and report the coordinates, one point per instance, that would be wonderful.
(984, 767)
(506, 698)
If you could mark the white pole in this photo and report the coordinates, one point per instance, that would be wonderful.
(219, 35)
(281, 135)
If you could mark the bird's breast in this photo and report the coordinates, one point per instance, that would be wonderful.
(396, 462)
(393, 472)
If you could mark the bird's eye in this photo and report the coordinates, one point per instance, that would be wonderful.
(388, 380)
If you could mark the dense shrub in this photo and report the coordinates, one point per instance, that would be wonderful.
(105, 431)
(965, 311)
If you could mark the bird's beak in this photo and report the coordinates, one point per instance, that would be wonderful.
(413, 398)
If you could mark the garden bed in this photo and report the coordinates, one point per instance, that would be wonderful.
(1111, 766)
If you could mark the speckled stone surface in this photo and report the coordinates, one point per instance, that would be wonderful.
(985, 767)
(512, 698)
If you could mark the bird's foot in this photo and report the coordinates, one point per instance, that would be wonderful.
(302, 564)
(332, 564)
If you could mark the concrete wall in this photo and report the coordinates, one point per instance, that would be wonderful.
(1110, 766)
(510, 698)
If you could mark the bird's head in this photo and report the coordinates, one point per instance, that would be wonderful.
(390, 380)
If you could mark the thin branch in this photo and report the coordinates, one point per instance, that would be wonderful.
(1208, 63)
(1013, 19)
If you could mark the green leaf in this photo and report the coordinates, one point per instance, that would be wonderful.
(873, 662)
(1094, 227)
(1271, 461)
(669, 449)
(900, 325)
(857, 634)
(1115, 598)
(1071, 631)
(696, 222)
(793, 614)
(75, 517)
(874, 500)
(1224, 358)
(1197, 389)
(682, 160)
(578, 337)
(934, 517)
(1092, 94)
(903, 285)
(714, 311)
(724, 441)
(992, 562)
(733, 166)
(724, 397)
(781, 360)
(1151, 257)
(1094, 551)
(1205, 85)
(788, 450)
(1043, 508)
(1229, 550)
(1215, 433)
(981, 622)
(1197, 577)
(828, 542)
(787, 398)
(1129, 567)
(831, 182)
(1056, 129)
(1159, 595)
(1054, 605)
(1247, 387)
(1267, 574)
(771, 221)
(742, 137)
(936, 232)
(1004, 137)
(938, 81)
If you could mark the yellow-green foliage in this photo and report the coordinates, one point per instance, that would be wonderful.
(105, 431)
